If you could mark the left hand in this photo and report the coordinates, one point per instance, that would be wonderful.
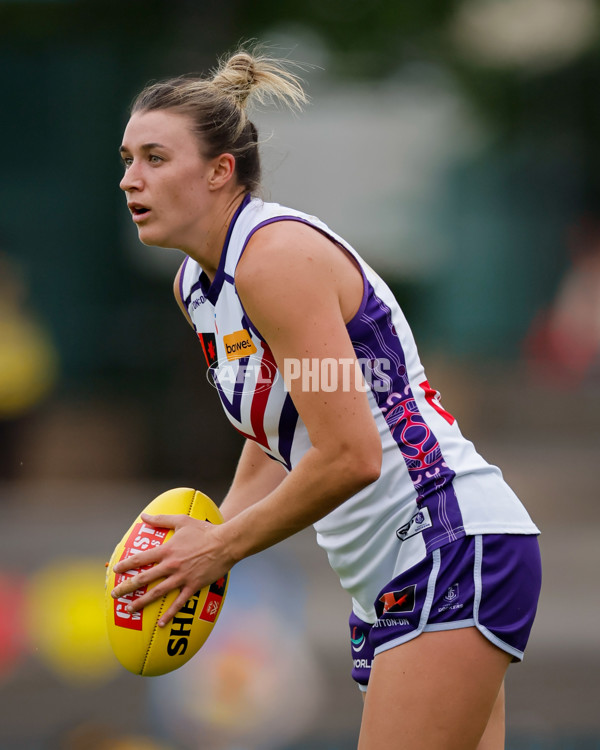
(194, 557)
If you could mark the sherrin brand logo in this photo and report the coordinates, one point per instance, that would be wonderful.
(181, 624)
(238, 345)
(181, 627)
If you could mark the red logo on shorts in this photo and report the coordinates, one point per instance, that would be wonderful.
(399, 601)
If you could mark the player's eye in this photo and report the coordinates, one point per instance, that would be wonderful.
(127, 161)
(154, 159)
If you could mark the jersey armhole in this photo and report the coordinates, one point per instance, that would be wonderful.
(330, 237)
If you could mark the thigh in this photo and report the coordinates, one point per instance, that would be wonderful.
(435, 691)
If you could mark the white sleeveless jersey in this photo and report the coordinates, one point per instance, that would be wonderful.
(434, 487)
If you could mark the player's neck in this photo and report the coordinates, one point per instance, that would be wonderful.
(207, 251)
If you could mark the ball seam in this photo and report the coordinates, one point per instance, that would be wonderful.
(162, 606)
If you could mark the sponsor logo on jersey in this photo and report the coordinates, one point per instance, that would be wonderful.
(388, 622)
(238, 345)
(418, 523)
(361, 663)
(357, 640)
(196, 303)
(399, 601)
(209, 347)
(433, 399)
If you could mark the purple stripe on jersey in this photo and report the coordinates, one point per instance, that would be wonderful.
(376, 342)
(181, 275)
(215, 288)
(203, 283)
(246, 322)
(287, 427)
(234, 406)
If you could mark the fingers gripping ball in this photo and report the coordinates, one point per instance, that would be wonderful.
(138, 643)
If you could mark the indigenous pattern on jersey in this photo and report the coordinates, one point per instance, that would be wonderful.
(434, 487)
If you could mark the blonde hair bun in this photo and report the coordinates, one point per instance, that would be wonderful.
(249, 75)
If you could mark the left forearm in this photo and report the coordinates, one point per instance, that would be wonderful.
(255, 477)
(317, 485)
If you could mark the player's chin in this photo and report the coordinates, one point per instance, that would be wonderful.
(150, 237)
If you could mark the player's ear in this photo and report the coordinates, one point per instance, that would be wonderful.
(222, 170)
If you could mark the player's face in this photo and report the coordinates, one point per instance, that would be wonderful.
(165, 178)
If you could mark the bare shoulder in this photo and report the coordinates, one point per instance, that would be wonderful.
(282, 278)
(275, 246)
(288, 264)
(292, 253)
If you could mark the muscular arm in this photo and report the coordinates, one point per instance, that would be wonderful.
(299, 303)
(256, 476)
(299, 290)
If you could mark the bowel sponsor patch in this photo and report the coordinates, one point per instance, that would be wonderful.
(238, 345)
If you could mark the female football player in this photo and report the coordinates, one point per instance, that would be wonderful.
(316, 366)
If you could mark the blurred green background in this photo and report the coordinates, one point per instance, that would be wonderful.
(455, 143)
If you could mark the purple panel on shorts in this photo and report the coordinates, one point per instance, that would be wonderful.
(455, 588)
(510, 612)
(362, 650)
(490, 581)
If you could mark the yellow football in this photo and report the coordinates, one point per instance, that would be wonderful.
(138, 643)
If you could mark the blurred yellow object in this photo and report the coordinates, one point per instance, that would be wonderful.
(65, 616)
(28, 363)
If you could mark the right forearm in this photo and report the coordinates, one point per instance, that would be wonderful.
(256, 476)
